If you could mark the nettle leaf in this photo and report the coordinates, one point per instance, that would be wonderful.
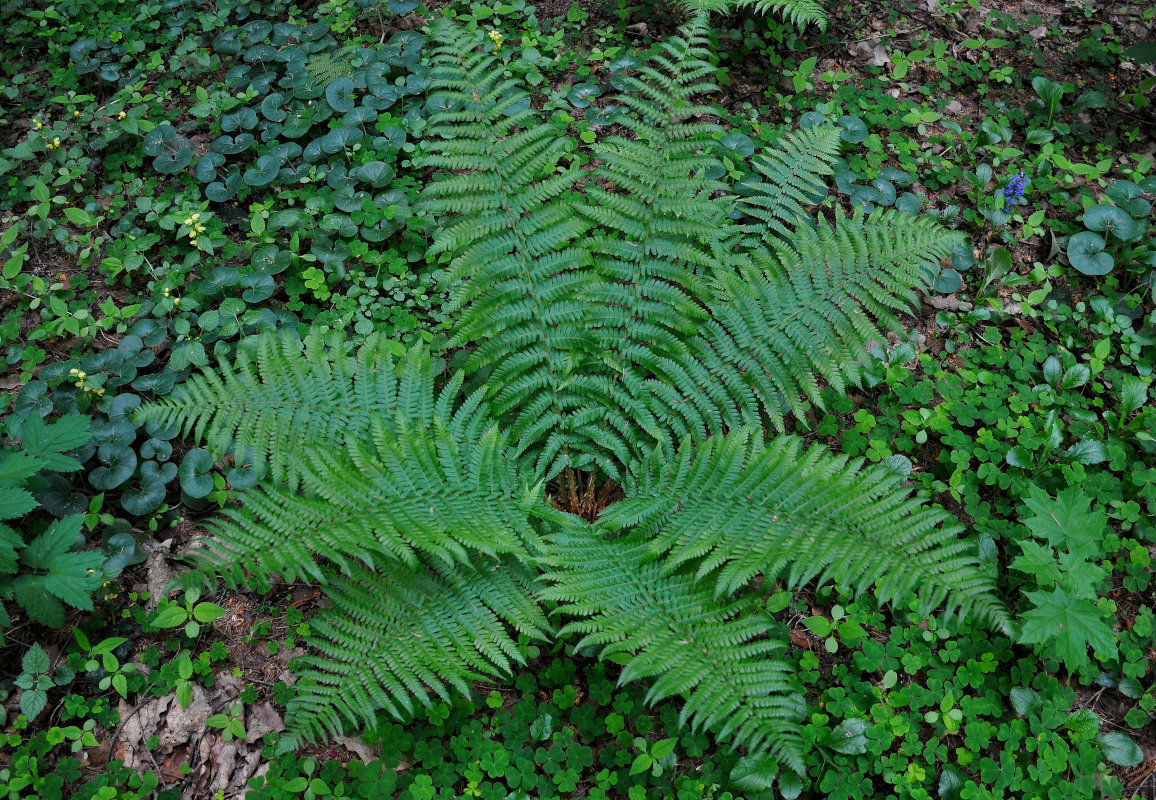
(340, 95)
(196, 473)
(1119, 749)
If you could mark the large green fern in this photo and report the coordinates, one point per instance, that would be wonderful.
(614, 321)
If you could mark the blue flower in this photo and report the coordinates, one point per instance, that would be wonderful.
(1015, 188)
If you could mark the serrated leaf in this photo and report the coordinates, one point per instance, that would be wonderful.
(51, 545)
(35, 661)
(15, 502)
(1066, 521)
(32, 702)
(1026, 701)
(40, 604)
(1037, 560)
(1069, 623)
(1119, 749)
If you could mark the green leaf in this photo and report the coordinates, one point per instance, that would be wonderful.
(207, 612)
(1026, 701)
(1085, 251)
(35, 661)
(195, 472)
(171, 616)
(820, 626)
(641, 763)
(1120, 750)
(32, 702)
(663, 748)
(849, 737)
(53, 544)
(1037, 560)
(1069, 623)
(1083, 723)
(78, 217)
(1066, 521)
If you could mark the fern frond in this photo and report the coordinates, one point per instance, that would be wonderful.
(735, 507)
(392, 633)
(415, 493)
(793, 315)
(793, 175)
(282, 395)
(799, 13)
(652, 202)
(714, 653)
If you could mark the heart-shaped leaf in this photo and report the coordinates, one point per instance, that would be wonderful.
(119, 463)
(1086, 253)
(231, 145)
(259, 287)
(340, 95)
(377, 174)
(206, 169)
(1110, 218)
(948, 281)
(854, 129)
(264, 172)
(582, 94)
(195, 472)
(404, 49)
(738, 144)
(273, 107)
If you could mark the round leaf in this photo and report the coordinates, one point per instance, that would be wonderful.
(737, 143)
(339, 95)
(119, 463)
(1086, 252)
(195, 473)
(582, 94)
(264, 173)
(948, 281)
(1106, 217)
(854, 130)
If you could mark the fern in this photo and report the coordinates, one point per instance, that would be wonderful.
(737, 507)
(615, 321)
(282, 395)
(792, 178)
(798, 12)
(392, 632)
(668, 628)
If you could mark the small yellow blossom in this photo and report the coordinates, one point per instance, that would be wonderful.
(121, 115)
(166, 292)
(56, 141)
(37, 124)
(176, 301)
(497, 38)
(76, 113)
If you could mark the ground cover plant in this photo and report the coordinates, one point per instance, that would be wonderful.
(622, 308)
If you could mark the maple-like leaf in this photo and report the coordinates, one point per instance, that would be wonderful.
(1067, 521)
(1071, 622)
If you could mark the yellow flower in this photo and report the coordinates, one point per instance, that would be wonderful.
(121, 115)
(176, 301)
(497, 39)
(79, 384)
(76, 113)
(56, 142)
(195, 217)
